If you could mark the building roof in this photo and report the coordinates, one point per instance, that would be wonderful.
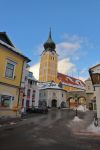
(70, 81)
(5, 41)
(4, 37)
(30, 76)
(49, 85)
(94, 66)
(49, 45)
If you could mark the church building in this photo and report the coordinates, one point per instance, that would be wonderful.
(49, 69)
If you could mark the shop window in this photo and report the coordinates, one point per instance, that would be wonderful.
(5, 100)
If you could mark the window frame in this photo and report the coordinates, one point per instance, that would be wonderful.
(9, 61)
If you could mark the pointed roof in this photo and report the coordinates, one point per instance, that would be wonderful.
(49, 44)
(5, 41)
(4, 37)
(50, 37)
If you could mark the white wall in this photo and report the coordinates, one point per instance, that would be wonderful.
(49, 96)
(98, 100)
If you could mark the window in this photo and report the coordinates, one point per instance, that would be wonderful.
(40, 94)
(30, 82)
(25, 78)
(30, 74)
(54, 94)
(89, 88)
(9, 73)
(44, 94)
(5, 100)
(33, 96)
(28, 92)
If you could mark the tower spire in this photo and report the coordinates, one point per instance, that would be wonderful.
(50, 34)
(49, 44)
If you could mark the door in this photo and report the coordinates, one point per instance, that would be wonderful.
(54, 103)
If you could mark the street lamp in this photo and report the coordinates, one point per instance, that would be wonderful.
(76, 104)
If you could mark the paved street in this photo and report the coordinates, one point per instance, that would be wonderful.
(52, 131)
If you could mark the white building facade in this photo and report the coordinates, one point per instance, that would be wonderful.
(91, 95)
(95, 77)
(29, 93)
(52, 95)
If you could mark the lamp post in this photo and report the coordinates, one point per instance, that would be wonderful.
(76, 104)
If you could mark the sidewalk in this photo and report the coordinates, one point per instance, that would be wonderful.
(8, 120)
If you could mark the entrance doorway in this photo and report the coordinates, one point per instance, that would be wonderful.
(54, 103)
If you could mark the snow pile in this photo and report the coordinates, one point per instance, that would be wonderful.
(82, 108)
(76, 119)
(0, 125)
(93, 128)
(12, 123)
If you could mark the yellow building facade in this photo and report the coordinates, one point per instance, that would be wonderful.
(11, 73)
(48, 62)
(48, 66)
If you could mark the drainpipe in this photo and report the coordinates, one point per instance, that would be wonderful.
(20, 87)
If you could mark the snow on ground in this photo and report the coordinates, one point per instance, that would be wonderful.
(0, 125)
(12, 123)
(93, 128)
(76, 119)
(81, 108)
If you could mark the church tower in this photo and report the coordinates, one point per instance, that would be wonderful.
(48, 62)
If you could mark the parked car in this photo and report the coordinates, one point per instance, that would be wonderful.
(38, 110)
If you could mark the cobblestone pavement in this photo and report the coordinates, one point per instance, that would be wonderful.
(51, 131)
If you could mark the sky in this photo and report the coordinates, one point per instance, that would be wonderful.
(75, 27)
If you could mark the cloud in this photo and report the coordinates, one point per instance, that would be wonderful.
(35, 70)
(72, 47)
(83, 78)
(66, 67)
(65, 49)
